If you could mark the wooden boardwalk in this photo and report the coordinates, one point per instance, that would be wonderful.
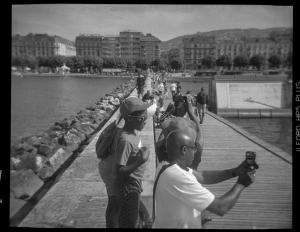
(267, 203)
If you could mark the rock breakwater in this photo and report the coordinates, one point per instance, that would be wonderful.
(35, 158)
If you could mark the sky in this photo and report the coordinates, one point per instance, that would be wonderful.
(163, 21)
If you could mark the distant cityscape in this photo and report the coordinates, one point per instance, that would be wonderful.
(134, 46)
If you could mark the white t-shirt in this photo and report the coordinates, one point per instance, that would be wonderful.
(179, 199)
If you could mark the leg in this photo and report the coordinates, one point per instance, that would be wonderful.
(145, 220)
(199, 112)
(129, 212)
(202, 113)
(112, 212)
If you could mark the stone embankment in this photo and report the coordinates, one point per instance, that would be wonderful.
(35, 159)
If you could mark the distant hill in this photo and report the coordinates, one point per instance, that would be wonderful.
(224, 34)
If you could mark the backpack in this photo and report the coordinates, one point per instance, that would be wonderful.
(104, 145)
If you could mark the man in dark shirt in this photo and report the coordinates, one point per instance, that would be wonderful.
(202, 100)
(140, 82)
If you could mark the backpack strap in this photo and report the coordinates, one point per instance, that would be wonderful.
(154, 187)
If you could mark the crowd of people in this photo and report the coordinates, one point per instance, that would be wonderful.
(179, 194)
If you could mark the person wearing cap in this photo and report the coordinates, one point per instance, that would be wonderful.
(179, 197)
(130, 163)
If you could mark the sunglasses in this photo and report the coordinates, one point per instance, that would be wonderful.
(139, 118)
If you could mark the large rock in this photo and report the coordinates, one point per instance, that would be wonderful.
(24, 183)
(71, 139)
(59, 158)
(28, 161)
(85, 128)
(22, 148)
(44, 149)
(46, 171)
(114, 102)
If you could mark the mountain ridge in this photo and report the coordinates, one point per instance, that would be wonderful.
(225, 34)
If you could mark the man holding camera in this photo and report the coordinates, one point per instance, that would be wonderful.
(179, 195)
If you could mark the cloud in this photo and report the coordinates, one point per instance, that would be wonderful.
(164, 21)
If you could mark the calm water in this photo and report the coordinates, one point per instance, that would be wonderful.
(37, 102)
(276, 131)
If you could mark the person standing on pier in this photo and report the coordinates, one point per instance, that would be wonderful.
(131, 159)
(140, 82)
(202, 100)
(179, 197)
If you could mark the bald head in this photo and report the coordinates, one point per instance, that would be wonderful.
(174, 142)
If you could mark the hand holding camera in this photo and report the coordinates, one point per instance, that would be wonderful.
(249, 164)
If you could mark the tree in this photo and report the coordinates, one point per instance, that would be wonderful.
(155, 64)
(109, 62)
(208, 62)
(274, 61)
(175, 64)
(78, 62)
(141, 63)
(43, 61)
(31, 62)
(257, 61)
(55, 61)
(224, 61)
(240, 61)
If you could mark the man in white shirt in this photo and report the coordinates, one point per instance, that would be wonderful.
(180, 197)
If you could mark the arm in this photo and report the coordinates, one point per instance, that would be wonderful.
(125, 170)
(223, 204)
(214, 176)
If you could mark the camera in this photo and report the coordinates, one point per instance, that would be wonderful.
(250, 158)
(184, 98)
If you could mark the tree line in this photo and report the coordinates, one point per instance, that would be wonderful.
(96, 64)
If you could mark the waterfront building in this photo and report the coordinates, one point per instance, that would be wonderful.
(111, 46)
(89, 45)
(42, 45)
(197, 47)
(130, 42)
(150, 48)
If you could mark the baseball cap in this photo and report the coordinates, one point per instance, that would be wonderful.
(132, 104)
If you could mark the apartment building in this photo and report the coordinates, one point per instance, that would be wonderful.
(42, 45)
(150, 47)
(130, 43)
(111, 47)
(196, 48)
(89, 45)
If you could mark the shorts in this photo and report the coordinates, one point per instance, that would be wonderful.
(112, 184)
(201, 108)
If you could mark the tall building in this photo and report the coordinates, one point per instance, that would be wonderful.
(42, 45)
(89, 45)
(111, 46)
(130, 42)
(150, 46)
(196, 48)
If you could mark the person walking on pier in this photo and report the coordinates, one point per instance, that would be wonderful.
(131, 159)
(202, 100)
(140, 82)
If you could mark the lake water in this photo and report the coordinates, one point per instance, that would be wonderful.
(276, 131)
(38, 102)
